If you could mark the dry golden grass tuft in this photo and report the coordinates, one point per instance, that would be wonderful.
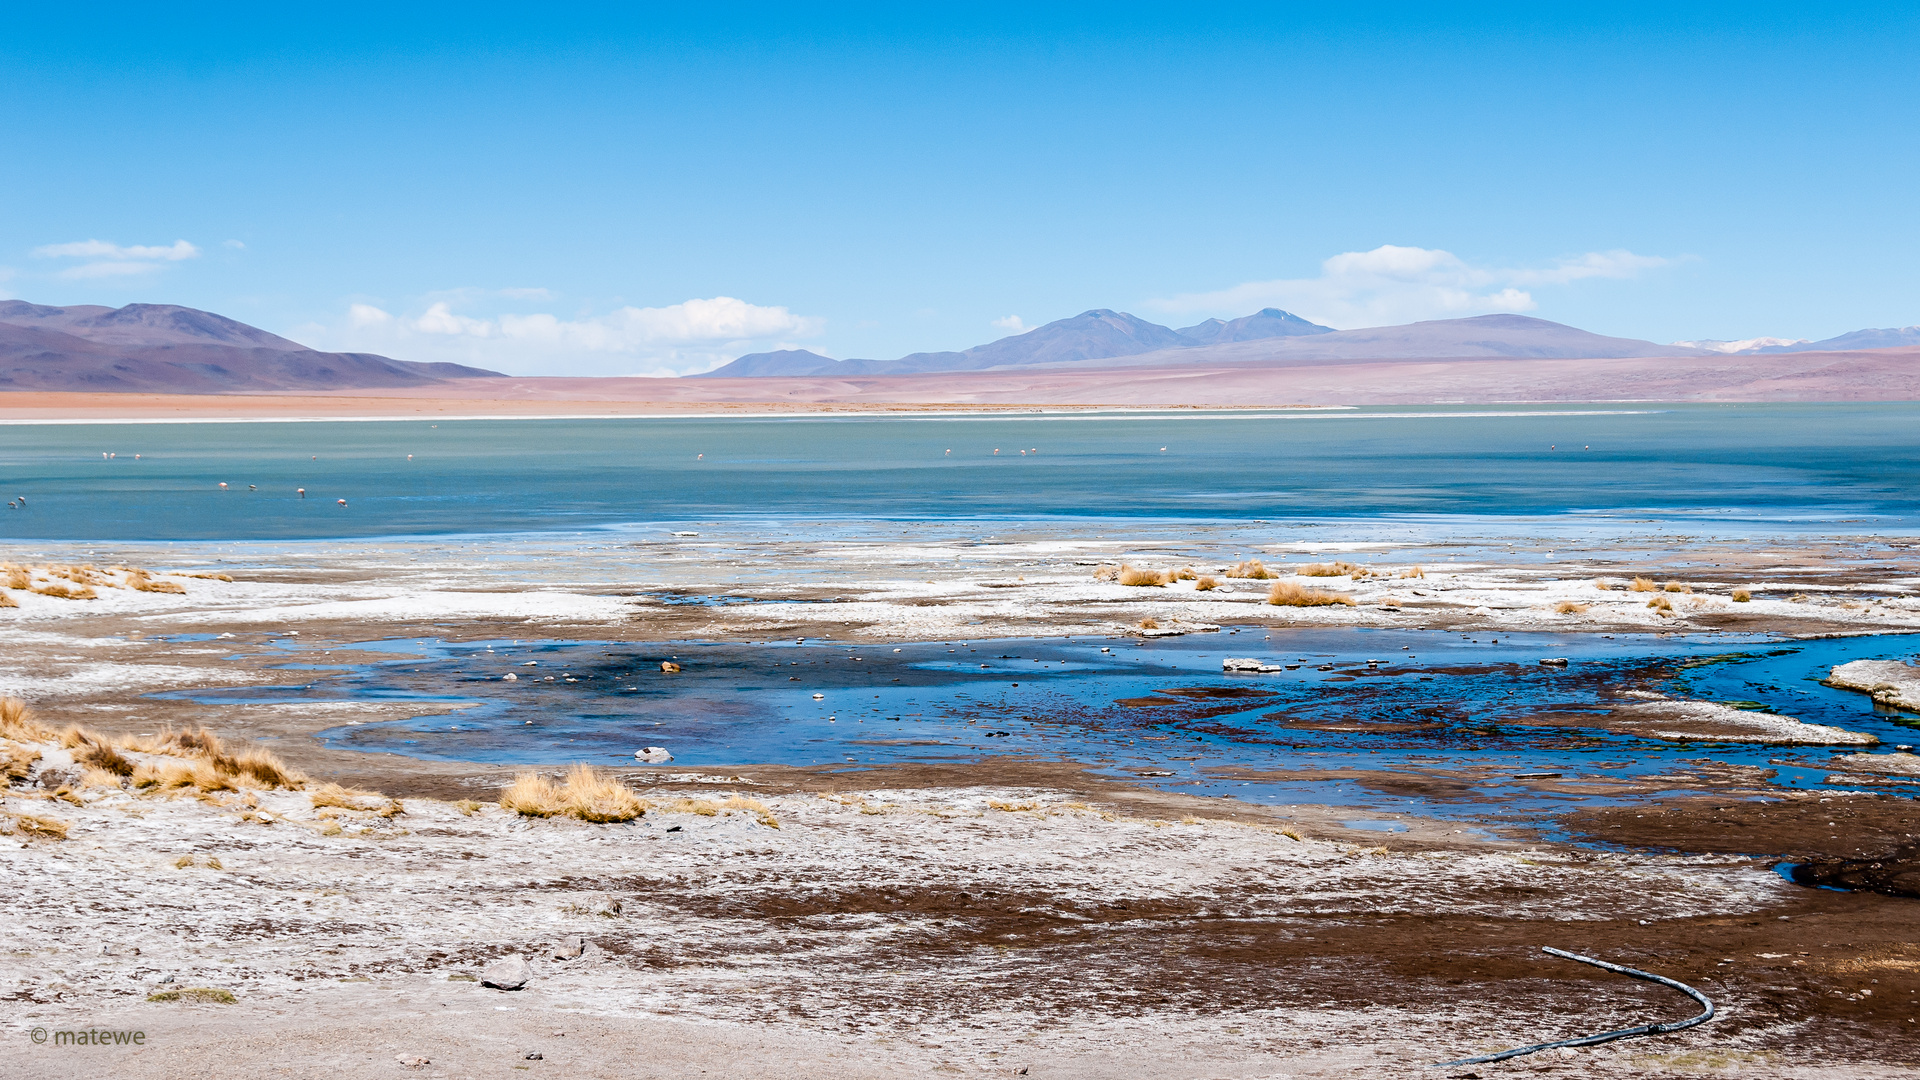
(1741, 596)
(1149, 623)
(467, 807)
(19, 577)
(100, 778)
(141, 581)
(1674, 586)
(16, 762)
(17, 722)
(190, 775)
(1332, 569)
(1011, 807)
(587, 793)
(1185, 573)
(1603, 585)
(1415, 572)
(1661, 605)
(593, 795)
(1641, 584)
(1205, 583)
(1250, 568)
(208, 577)
(1132, 576)
(8, 601)
(94, 752)
(1569, 607)
(1105, 572)
(346, 798)
(1287, 594)
(40, 828)
(1292, 833)
(67, 592)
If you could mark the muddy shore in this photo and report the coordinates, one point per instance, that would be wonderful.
(897, 920)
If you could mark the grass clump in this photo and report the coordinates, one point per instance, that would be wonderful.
(41, 828)
(1674, 586)
(1415, 572)
(19, 577)
(8, 601)
(67, 592)
(587, 793)
(1661, 606)
(467, 807)
(1105, 572)
(16, 762)
(1333, 569)
(1287, 594)
(1250, 568)
(1132, 576)
(1741, 596)
(141, 581)
(17, 722)
(1205, 583)
(1641, 584)
(1569, 607)
(194, 995)
(1149, 623)
(365, 802)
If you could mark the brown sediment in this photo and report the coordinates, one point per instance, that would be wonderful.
(1794, 826)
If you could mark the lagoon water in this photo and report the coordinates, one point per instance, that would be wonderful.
(1715, 467)
(1158, 712)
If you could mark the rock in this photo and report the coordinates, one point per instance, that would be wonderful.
(510, 677)
(412, 1062)
(570, 947)
(1554, 661)
(507, 973)
(119, 950)
(1232, 664)
(534, 1056)
(669, 666)
(653, 754)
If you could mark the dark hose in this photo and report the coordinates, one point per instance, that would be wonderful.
(1606, 1036)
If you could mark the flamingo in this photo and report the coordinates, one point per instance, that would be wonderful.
(342, 502)
(223, 485)
(302, 491)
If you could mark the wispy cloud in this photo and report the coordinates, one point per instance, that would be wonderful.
(677, 339)
(114, 260)
(1011, 324)
(1393, 284)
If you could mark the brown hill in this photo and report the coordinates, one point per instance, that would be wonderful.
(163, 348)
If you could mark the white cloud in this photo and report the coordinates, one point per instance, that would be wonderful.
(236, 245)
(1393, 284)
(113, 260)
(692, 336)
(1011, 324)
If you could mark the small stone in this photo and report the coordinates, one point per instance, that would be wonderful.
(534, 1056)
(653, 754)
(411, 1062)
(507, 973)
(570, 947)
(510, 677)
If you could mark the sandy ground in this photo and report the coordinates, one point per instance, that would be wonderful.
(968, 930)
(1867, 375)
(955, 921)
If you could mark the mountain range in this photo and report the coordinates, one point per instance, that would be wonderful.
(163, 348)
(1895, 338)
(1268, 336)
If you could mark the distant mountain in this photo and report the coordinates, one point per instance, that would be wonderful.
(1901, 337)
(1102, 338)
(162, 348)
(1265, 323)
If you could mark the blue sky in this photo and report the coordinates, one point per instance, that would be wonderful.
(625, 190)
